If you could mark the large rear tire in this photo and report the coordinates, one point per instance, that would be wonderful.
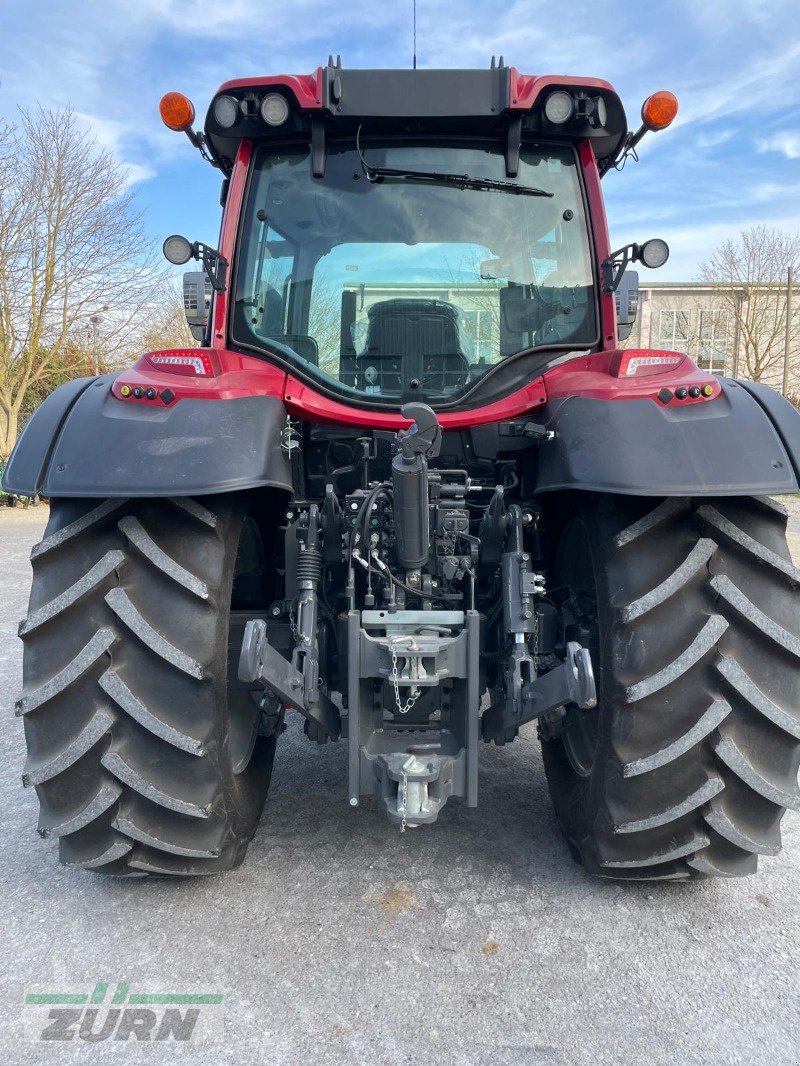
(145, 756)
(690, 759)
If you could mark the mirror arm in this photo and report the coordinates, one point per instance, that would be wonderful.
(614, 267)
(214, 264)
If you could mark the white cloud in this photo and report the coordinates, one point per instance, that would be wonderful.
(713, 140)
(111, 135)
(735, 78)
(787, 144)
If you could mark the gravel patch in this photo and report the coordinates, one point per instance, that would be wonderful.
(339, 940)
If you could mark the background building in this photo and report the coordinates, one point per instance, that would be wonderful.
(725, 330)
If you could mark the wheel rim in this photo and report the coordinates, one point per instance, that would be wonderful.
(574, 572)
(245, 705)
(244, 717)
(580, 740)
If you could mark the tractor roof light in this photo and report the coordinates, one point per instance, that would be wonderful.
(226, 111)
(659, 110)
(177, 112)
(274, 109)
(559, 107)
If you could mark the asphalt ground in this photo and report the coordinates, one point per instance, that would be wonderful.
(340, 940)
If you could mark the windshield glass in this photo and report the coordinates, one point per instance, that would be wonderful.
(403, 289)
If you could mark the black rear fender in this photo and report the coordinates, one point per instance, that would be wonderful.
(744, 442)
(84, 442)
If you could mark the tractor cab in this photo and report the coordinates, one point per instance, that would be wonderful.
(425, 235)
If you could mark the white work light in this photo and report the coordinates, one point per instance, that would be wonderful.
(274, 109)
(177, 250)
(226, 111)
(654, 253)
(559, 107)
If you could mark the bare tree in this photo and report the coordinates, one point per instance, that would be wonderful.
(162, 324)
(749, 279)
(70, 242)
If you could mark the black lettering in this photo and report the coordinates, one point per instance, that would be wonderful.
(62, 1019)
(86, 1031)
(178, 1026)
(135, 1021)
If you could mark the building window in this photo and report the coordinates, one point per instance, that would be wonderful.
(673, 331)
(480, 330)
(714, 336)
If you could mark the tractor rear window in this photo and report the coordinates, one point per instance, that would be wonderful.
(402, 288)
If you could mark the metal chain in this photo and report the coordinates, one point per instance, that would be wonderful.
(403, 823)
(292, 623)
(402, 708)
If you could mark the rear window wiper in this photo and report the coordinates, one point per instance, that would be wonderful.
(460, 181)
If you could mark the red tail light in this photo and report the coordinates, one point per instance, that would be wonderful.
(644, 363)
(194, 362)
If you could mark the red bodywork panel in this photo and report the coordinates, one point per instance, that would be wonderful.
(306, 88)
(244, 375)
(524, 89)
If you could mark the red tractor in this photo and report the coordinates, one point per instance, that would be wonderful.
(410, 487)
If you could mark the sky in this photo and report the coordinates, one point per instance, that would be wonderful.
(731, 160)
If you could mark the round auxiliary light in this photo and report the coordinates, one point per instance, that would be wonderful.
(600, 111)
(274, 109)
(226, 111)
(559, 107)
(659, 110)
(654, 253)
(177, 250)
(177, 112)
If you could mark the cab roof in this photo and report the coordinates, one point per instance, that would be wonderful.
(335, 101)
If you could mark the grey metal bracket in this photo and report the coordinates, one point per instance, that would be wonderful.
(572, 682)
(260, 663)
(377, 750)
(415, 784)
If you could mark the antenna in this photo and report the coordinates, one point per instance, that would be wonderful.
(414, 21)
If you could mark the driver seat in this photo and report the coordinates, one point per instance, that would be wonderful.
(412, 339)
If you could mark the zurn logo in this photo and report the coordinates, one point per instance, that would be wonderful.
(111, 1011)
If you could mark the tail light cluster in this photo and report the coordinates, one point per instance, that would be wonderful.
(193, 363)
(643, 364)
(189, 363)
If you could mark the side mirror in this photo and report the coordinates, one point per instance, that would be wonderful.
(627, 301)
(197, 302)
